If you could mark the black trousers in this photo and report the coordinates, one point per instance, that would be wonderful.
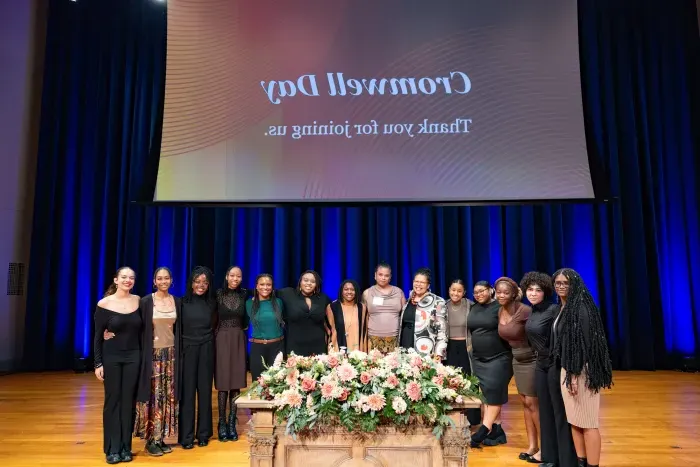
(120, 380)
(260, 352)
(197, 381)
(458, 357)
(556, 442)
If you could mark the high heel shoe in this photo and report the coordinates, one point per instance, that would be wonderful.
(222, 433)
(232, 433)
(582, 462)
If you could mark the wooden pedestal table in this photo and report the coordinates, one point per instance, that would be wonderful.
(336, 447)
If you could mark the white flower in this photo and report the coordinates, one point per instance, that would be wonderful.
(358, 355)
(399, 405)
(278, 360)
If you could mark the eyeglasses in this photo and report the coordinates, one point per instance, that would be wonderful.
(561, 285)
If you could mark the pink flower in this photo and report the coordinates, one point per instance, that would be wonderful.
(292, 377)
(365, 377)
(308, 384)
(333, 361)
(261, 381)
(375, 355)
(392, 381)
(327, 390)
(413, 391)
(376, 402)
(439, 380)
(346, 372)
(344, 395)
(392, 361)
(416, 361)
(292, 398)
(291, 362)
(454, 383)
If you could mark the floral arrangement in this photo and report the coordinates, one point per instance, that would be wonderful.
(361, 391)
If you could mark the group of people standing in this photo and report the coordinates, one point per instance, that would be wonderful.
(558, 354)
(159, 355)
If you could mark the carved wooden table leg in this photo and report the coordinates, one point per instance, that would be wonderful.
(262, 439)
(455, 442)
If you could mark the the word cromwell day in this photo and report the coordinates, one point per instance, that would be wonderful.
(455, 82)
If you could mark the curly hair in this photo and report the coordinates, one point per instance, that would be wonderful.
(594, 356)
(540, 279)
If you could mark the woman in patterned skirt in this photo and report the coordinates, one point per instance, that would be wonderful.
(157, 407)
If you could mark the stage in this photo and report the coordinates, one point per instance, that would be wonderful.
(54, 419)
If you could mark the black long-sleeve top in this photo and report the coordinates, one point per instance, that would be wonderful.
(539, 331)
(230, 306)
(198, 320)
(483, 325)
(125, 346)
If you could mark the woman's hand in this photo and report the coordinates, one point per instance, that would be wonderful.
(107, 335)
(100, 373)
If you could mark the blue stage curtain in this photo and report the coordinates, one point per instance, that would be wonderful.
(639, 253)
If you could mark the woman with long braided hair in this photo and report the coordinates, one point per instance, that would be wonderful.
(580, 347)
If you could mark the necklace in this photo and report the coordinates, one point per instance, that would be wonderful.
(353, 316)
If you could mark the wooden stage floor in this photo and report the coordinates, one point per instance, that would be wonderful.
(54, 419)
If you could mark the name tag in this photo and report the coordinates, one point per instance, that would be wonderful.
(379, 301)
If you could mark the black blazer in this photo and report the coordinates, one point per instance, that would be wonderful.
(337, 310)
(144, 387)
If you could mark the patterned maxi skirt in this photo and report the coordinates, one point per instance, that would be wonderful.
(157, 419)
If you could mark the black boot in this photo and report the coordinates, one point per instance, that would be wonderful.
(232, 433)
(479, 436)
(582, 462)
(496, 436)
(223, 435)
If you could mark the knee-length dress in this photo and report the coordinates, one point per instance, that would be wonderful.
(230, 369)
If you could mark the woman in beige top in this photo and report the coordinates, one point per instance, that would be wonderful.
(384, 303)
(157, 396)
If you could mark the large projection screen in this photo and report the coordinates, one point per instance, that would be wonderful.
(372, 101)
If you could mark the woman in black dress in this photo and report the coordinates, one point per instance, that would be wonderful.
(307, 313)
(117, 362)
(198, 316)
(491, 363)
(556, 443)
(230, 373)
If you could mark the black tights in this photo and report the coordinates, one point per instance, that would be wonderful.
(223, 396)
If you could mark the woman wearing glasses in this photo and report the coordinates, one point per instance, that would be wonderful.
(491, 363)
(424, 319)
(580, 348)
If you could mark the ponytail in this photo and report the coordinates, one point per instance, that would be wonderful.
(111, 290)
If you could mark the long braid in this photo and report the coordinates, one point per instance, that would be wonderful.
(577, 355)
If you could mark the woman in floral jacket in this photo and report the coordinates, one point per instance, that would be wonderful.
(424, 324)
